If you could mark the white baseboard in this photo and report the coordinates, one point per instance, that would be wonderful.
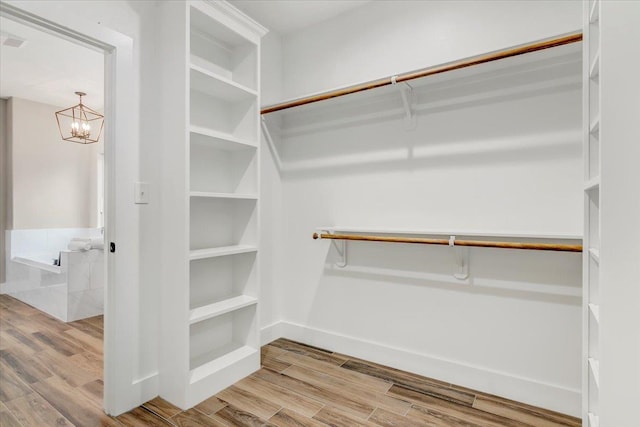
(271, 332)
(526, 390)
(141, 390)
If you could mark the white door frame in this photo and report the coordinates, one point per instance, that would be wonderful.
(123, 389)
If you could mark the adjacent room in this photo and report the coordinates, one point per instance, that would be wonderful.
(319, 213)
(55, 196)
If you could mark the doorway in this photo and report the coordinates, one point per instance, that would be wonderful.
(122, 388)
(55, 257)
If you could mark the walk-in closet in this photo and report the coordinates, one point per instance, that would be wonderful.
(347, 213)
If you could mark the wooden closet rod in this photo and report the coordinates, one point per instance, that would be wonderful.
(445, 242)
(469, 62)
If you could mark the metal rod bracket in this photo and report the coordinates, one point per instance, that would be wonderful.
(462, 262)
(340, 247)
(462, 259)
(408, 102)
(272, 146)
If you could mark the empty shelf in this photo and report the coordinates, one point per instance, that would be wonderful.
(594, 366)
(594, 71)
(592, 183)
(219, 359)
(595, 310)
(216, 309)
(218, 86)
(223, 195)
(595, 254)
(220, 140)
(594, 14)
(595, 126)
(221, 251)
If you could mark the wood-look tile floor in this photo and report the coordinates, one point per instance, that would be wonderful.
(51, 375)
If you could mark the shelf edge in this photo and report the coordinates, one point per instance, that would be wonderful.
(212, 195)
(223, 307)
(197, 254)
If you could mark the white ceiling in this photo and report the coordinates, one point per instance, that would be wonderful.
(286, 16)
(49, 69)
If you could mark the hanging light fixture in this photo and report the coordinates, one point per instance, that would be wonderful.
(80, 123)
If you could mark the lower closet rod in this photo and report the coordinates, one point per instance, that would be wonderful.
(447, 242)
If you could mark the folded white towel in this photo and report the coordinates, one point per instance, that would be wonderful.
(86, 243)
(77, 244)
(97, 242)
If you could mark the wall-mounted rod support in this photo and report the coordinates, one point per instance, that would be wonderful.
(272, 146)
(408, 98)
(447, 242)
(429, 71)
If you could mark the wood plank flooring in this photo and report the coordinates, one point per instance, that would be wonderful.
(50, 371)
(51, 375)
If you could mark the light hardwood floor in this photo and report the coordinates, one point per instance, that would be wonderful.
(51, 375)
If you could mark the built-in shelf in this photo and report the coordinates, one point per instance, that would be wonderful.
(457, 233)
(218, 86)
(594, 420)
(595, 311)
(223, 195)
(219, 140)
(594, 127)
(218, 360)
(592, 183)
(594, 14)
(219, 70)
(595, 254)
(211, 54)
(594, 70)
(216, 309)
(594, 366)
(221, 251)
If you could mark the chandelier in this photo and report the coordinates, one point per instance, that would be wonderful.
(80, 123)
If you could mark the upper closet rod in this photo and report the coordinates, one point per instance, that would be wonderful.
(454, 242)
(469, 62)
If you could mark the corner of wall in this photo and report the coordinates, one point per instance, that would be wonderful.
(3, 186)
(271, 192)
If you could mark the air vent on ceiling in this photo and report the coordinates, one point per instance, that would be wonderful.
(12, 41)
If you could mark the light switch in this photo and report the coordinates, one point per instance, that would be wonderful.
(141, 192)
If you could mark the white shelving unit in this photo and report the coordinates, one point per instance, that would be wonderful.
(211, 296)
(591, 256)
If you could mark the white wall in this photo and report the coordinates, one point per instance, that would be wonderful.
(270, 192)
(619, 282)
(139, 21)
(495, 161)
(388, 37)
(53, 181)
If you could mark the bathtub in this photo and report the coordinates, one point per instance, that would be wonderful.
(70, 291)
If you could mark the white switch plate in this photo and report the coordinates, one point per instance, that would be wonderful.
(141, 192)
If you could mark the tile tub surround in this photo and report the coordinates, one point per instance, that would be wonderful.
(73, 291)
(46, 242)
